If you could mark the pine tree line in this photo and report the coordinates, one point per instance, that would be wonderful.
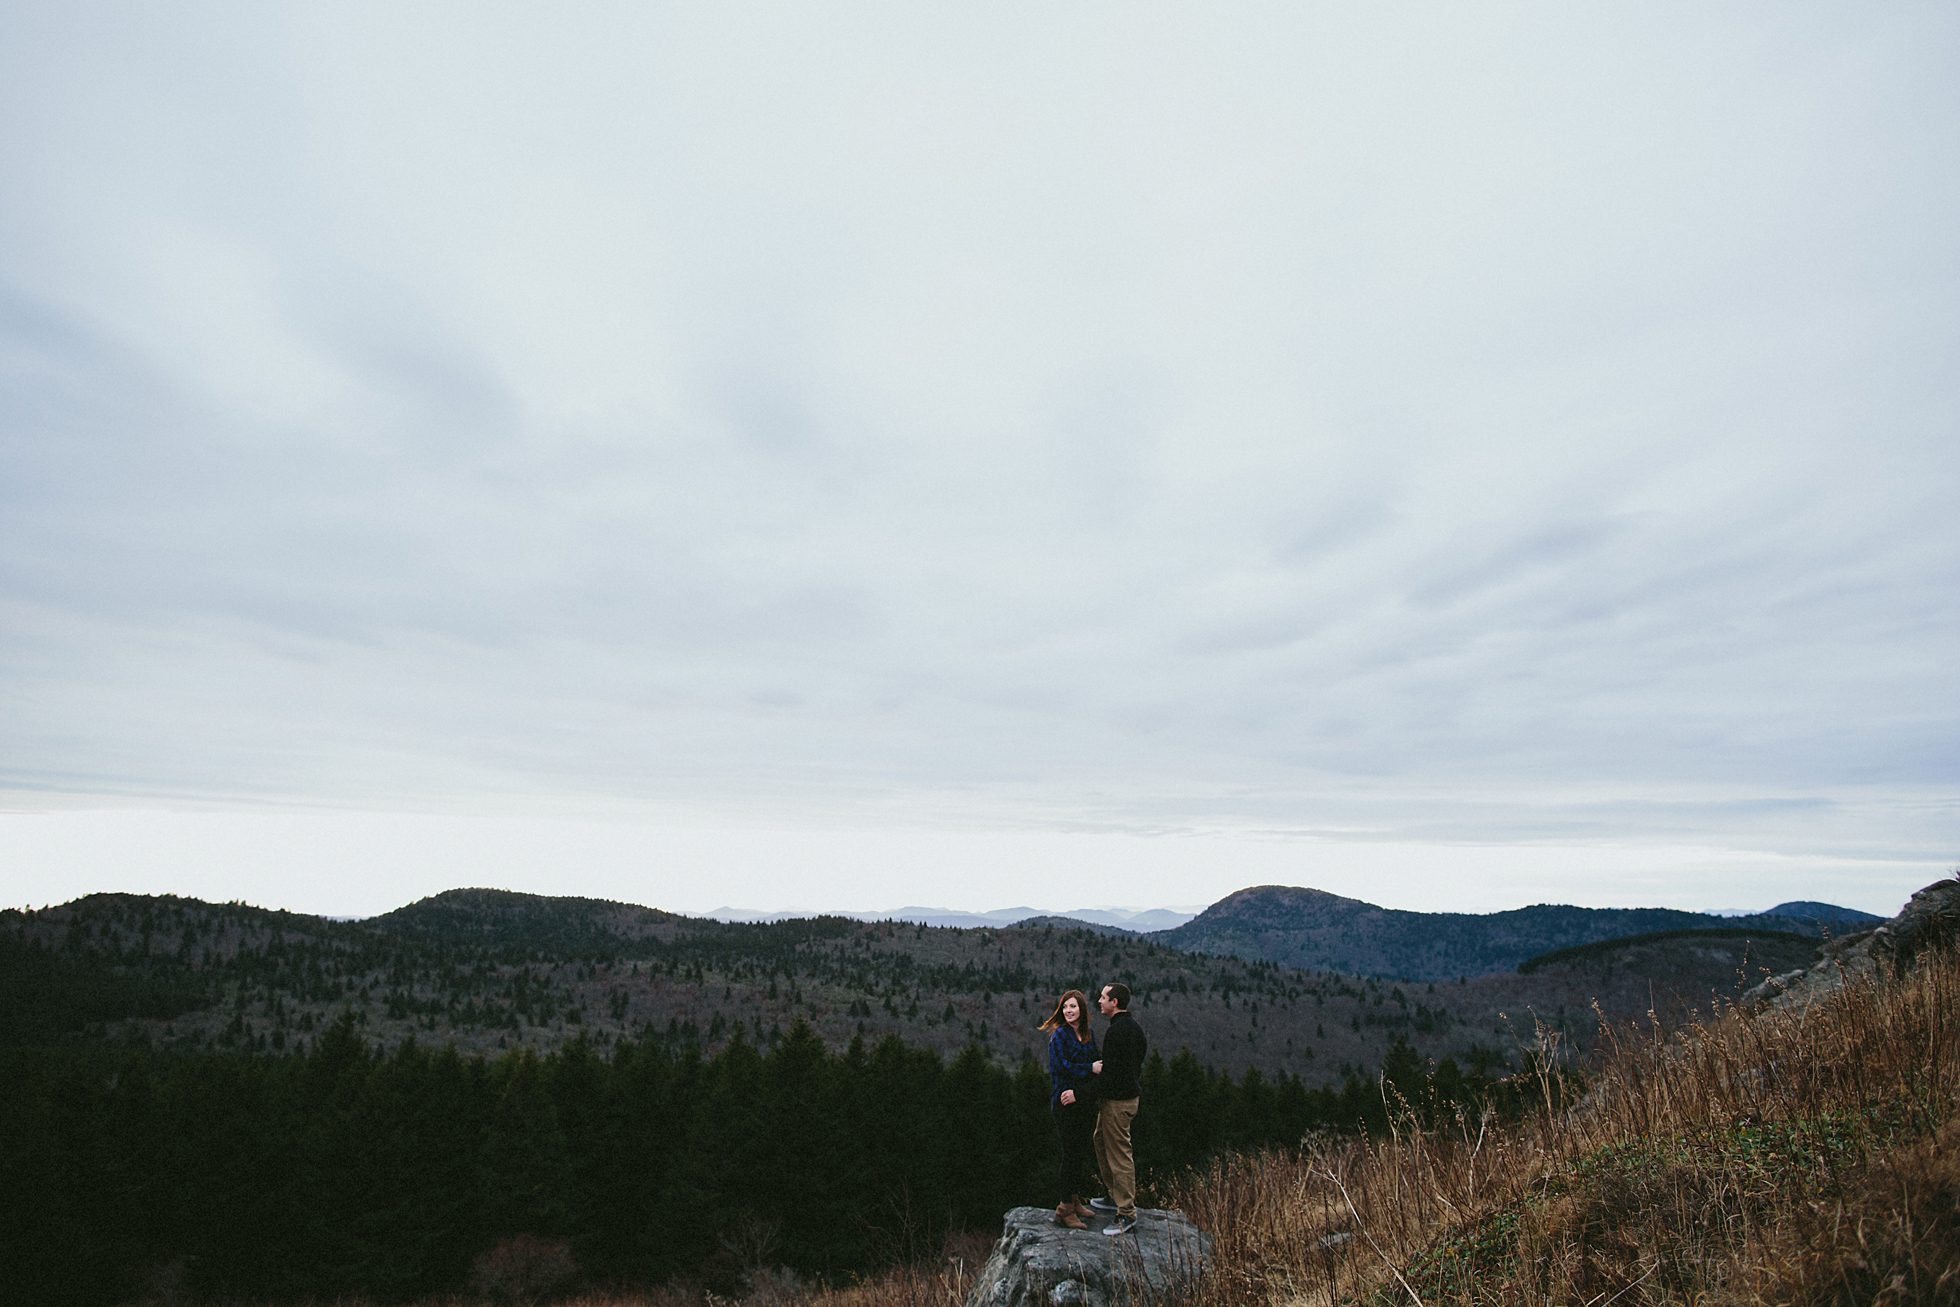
(351, 1170)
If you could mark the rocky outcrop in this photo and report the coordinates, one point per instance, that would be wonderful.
(1040, 1264)
(1929, 920)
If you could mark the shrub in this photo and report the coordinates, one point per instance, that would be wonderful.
(524, 1268)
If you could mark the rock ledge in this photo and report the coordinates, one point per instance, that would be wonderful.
(1040, 1264)
(1930, 920)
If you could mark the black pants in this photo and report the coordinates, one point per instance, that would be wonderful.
(1076, 1125)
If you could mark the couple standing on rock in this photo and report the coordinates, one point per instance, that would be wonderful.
(1093, 1095)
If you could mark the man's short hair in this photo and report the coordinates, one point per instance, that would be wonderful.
(1119, 994)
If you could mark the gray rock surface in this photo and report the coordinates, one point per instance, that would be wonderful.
(1040, 1264)
(1929, 920)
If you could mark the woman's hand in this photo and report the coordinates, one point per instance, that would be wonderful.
(1068, 1098)
(1095, 1068)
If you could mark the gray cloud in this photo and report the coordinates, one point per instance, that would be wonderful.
(1531, 426)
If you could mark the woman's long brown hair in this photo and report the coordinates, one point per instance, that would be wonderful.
(1081, 1026)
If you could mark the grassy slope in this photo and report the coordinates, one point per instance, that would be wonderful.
(1775, 1157)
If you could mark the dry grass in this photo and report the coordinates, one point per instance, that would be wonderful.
(1757, 1158)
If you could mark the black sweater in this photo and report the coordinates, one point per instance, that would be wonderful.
(1123, 1050)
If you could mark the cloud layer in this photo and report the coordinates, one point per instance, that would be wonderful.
(1515, 426)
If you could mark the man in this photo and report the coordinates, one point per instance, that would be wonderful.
(1118, 1082)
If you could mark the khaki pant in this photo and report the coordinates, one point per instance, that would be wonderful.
(1115, 1161)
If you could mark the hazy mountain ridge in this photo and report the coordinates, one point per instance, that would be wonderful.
(1823, 914)
(1314, 930)
(1134, 920)
(1073, 923)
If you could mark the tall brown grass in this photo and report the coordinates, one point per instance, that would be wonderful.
(1758, 1157)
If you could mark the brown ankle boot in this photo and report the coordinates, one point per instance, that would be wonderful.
(1065, 1215)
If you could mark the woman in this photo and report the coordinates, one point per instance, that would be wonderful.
(1071, 1060)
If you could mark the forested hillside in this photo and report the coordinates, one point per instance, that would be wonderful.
(492, 971)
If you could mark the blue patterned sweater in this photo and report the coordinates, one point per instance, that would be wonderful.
(1069, 1060)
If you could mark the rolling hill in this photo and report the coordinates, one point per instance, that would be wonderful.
(1317, 931)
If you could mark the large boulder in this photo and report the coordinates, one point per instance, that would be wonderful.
(1930, 920)
(1038, 1263)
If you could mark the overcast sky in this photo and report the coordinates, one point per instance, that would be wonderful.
(1054, 454)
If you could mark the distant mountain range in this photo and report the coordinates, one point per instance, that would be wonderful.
(1317, 931)
(1140, 921)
